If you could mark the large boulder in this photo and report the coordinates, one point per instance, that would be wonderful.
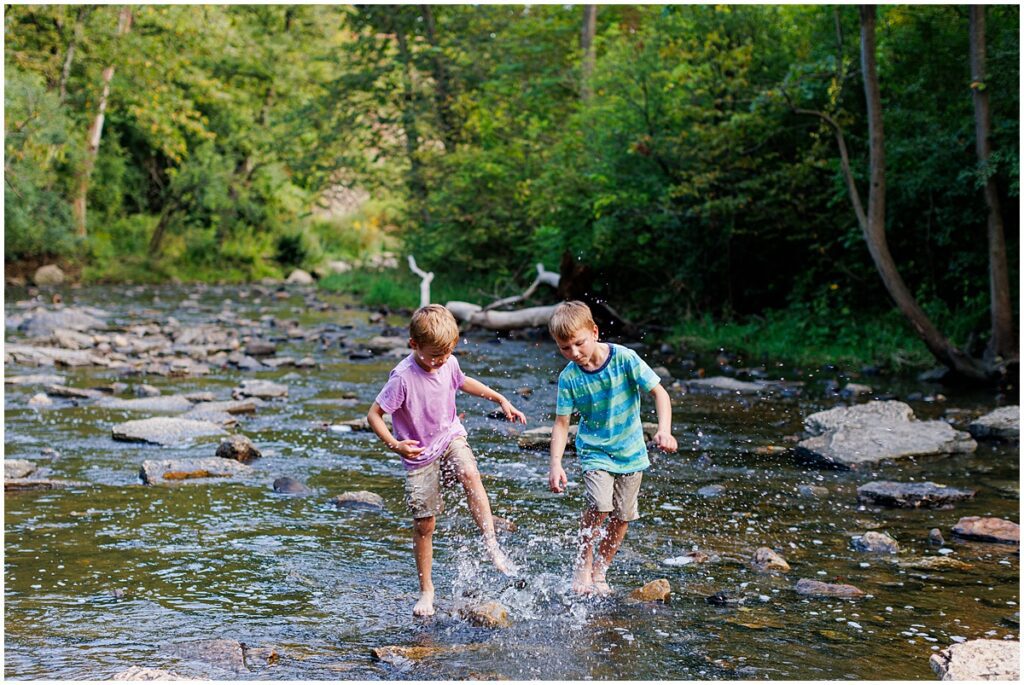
(850, 437)
(1003, 423)
(988, 529)
(925, 495)
(164, 431)
(169, 471)
(50, 274)
(978, 660)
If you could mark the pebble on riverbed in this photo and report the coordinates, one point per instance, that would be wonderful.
(766, 559)
(654, 591)
(487, 615)
(988, 529)
(878, 543)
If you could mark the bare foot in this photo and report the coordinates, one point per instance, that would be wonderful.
(582, 584)
(601, 588)
(500, 559)
(425, 604)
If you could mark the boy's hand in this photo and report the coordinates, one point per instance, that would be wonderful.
(665, 441)
(556, 479)
(407, 448)
(511, 413)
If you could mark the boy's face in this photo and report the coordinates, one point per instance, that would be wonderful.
(430, 357)
(581, 346)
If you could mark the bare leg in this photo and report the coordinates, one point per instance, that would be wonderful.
(423, 549)
(615, 532)
(480, 508)
(582, 577)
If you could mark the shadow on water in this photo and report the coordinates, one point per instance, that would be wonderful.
(113, 574)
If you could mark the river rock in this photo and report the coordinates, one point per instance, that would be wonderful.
(239, 448)
(300, 277)
(72, 340)
(247, 406)
(164, 430)
(18, 468)
(693, 557)
(34, 379)
(713, 490)
(221, 418)
(816, 588)
(654, 591)
(50, 274)
(767, 559)
(860, 415)
(166, 471)
(48, 356)
(226, 654)
(911, 495)
(290, 486)
(540, 438)
(978, 660)
(73, 393)
(856, 390)
(503, 525)
(40, 484)
(139, 673)
(260, 348)
(400, 654)
(935, 563)
(487, 615)
(724, 385)
(1003, 423)
(875, 542)
(987, 529)
(385, 343)
(163, 404)
(359, 499)
(40, 400)
(260, 389)
(144, 390)
(935, 537)
(813, 491)
(42, 322)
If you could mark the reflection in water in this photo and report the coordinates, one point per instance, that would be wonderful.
(116, 574)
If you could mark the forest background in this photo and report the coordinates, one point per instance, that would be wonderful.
(682, 153)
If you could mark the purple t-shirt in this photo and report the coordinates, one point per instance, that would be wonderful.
(422, 407)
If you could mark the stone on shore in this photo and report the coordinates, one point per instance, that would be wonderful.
(978, 660)
(849, 437)
(300, 277)
(164, 431)
(1002, 424)
(487, 615)
(988, 529)
(167, 471)
(359, 499)
(875, 542)
(654, 591)
(239, 448)
(49, 274)
(18, 468)
(926, 495)
(767, 559)
(260, 389)
(816, 588)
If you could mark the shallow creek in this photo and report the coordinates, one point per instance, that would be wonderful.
(117, 574)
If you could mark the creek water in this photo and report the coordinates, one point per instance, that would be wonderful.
(115, 574)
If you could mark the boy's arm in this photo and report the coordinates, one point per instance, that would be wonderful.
(559, 434)
(663, 406)
(406, 448)
(475, 387)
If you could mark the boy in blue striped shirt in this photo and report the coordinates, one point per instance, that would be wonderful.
(604, 383)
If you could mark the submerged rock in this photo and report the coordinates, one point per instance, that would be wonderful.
(878, 543)
(487, 615)
(290, 486)
(226, 654)
(654, 591)
(504, 525)
(813, 491)
(978, 660)
(1003, 423)
(359, 499)
(767, 559)
(137, 673)
(169, 471)
(935, 537)
(713, 490)
(816, 588)
(936, 563)
(911, 495)
(239, 448)
(18, 468)
(724, 385)
(988, 529)
(164, 430)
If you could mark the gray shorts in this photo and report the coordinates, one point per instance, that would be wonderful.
(613, 492)
(423, 486)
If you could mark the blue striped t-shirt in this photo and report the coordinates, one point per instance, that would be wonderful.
(610, 437)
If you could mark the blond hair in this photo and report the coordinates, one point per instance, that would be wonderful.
(569, 318)
(435, 326)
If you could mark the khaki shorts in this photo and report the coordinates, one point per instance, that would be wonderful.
(613, 492)
(423, 486)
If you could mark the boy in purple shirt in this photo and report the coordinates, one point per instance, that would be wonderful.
(430, 439)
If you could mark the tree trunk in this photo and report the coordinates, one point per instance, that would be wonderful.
(587, 44)
(95, 133)
(1002, 344)
(69, 56)
(874, 226)
(442, 89)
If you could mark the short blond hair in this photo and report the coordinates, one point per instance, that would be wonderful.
(435, 326)
(569, 318)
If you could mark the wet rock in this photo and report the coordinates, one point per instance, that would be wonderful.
(724, 385)
(713, 490)
(305, 363)
(987, 529)
(813, 491)
(868, 433)
(14, 484)
(164, 431)
(144, 390)
(694, 557)
(525, 392)
(856, 390)
(41, 323)
(935, 563)
(935, 537)
(766, 559)
(721, 599)
(875, 542)
(397, 654)
(360, 354)
(73, 393)
(503, 525)
(239, 448)
(487, 615)
(226, 654)
(48, 356)
(50, 274)
(300, 277)
(260, 348)
(221, 418)
(654, 591)
(290, 486)
(72, 340)
(40, 401)
(260, 389)
(277, 362)
(911, 495)
(359, 499)
(18, 468)
(231, 406)
(768, 450)
(168, 471)
(978, 660)
(382, 344)
(139, 673)
(247, 363)
(816, 588)
(163, 404)
(1003, 424)
(34, 379)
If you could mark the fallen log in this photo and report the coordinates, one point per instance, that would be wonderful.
(529, 317)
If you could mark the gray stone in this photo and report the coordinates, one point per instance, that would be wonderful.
(664, 374)
(766, 559)
(226, 654)
(40, 484)
(260, 348)
(54, 355)
(72, 340)
(813, 491)
(290, 486)
(911, 495)
(40, 400)
(384, 343)
(41, 323)
(856, 390)
(724, 385)
(170, 471)
(988, 529)
(935, 537)
(815, 588)
(74, 393)
(239, 448)
(18, 468)
(1003, 423)
(261, 389)
(164, 430)
(137, 673)
(300, 277)
(360, 499)
(978, 660)
(35, 379)
(247, 406)
(50, 274)
(143, 390)
(221, 418)
(163, 404)
(859, 416)
(875, 542)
